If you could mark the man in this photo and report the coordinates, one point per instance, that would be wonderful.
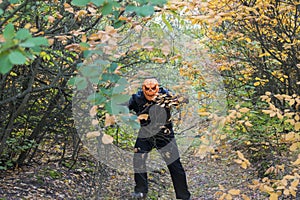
(156, 132)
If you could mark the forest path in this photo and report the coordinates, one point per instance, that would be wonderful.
(51, 181)
(205, 175)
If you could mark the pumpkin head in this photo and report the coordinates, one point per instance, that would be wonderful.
(150, 88)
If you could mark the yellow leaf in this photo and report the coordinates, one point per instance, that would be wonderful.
(280, 188)
(238, 161)
(95, 122)
(292, 102)
(27, 26)
(291, 121)
(204, 113)
(297, 162)
(109, 120)
(92, 134)
(240, 155)
(93, 111)
(248, 39)
(221, 187)
(264, 54)
(279, 115)
(34, 29)
(289, 177)
(268, 189)
(244, 110)
(244, 165)
(295, 183)
(234, 192)
(255, 182)
(284, 182)
(248, 124)
(143, 116)
(107, 139)
(245, 197)
(273, 196)
(267, 111)
(293, 192)
(297, 126)
(286, 192)
(228, 197)
(294, 146)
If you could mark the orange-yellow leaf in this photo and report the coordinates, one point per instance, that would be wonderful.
(95, 122)
(293, 192)
(109, 120)
(240, 155)
(268, 189)
(238, 161)
(143, 116)
(248, 124)
(297, 162)
(234, 192)
(273, 196)
(228, 197)
(286, 192)
(92, 134)
(294, 146)
(221, 187)
(107, 139)
(244, 165)
(295, 183)
(244, 110)
(245, 197)
(297, 126)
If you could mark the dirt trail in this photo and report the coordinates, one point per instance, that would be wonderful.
(49, 181)
(204, 178)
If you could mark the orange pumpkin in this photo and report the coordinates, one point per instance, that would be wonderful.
(150, 88)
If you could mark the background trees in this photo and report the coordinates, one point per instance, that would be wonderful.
(253, 44)
(39, 54)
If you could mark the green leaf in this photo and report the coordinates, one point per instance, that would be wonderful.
(32, 42)
(81, 83)
(113, 67)
(110, 77)
(158, 2)
(1, 11)
(107, 8)
(131, 8)
(120, 98)
(145, 10)
(142, 2)
(16, 58)
(98, 2)
(80, 2)
(121, 85)
(117, 109)
(91, 70)
(118, 24)
(40, 41)
(71, 81)
(23, 34)
(96, 98)
(9, 32)
(5, 64)
(84, 45)
(167, 23)
(14, 1)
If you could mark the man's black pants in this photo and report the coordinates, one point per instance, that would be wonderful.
(167, 147)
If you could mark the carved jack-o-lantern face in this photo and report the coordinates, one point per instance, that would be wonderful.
(150, 88)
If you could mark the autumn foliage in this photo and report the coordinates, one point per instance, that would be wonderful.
(253, 45)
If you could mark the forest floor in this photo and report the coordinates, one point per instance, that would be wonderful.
(83, 181)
